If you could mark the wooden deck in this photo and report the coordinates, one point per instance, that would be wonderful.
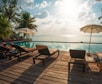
(54, 72)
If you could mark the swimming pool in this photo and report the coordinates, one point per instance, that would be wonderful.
(65, 46)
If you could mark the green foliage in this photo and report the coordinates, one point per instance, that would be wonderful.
(5, 28)
(10, 10)
(100, 18)
(27, 21)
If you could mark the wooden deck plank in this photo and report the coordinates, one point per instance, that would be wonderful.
(16, 76)
(55, 71)
(46, 81)
(55, 79)
(4, 82)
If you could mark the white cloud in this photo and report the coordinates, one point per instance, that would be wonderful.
(57, 3)
(43, 14)
(53, 25)
(85, 9)
(64, 21)
(79, 12)
(29, 1)
(62, 25)
(44, 4)
(26, 4)
(86, 14)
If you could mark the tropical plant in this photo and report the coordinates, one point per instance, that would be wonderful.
(27, 21)
(12, 13)
(5, 28)
(10, 10)
(100, 18)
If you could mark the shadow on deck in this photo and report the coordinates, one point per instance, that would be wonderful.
(55, 71)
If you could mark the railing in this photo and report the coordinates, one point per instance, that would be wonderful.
(65, 46)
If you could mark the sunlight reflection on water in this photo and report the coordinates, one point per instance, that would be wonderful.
(54, 42)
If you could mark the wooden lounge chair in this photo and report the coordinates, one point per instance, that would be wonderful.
(7, 52)
(77, 57)
(44, 53)
(23, 51)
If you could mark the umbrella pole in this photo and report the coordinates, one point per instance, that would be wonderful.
(90, 40)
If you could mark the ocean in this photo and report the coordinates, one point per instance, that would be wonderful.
(68, 38)
(66, 42)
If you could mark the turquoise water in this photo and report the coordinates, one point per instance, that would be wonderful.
(66, 42)
(64, 46)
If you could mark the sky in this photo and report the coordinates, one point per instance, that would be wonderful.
(63, 17)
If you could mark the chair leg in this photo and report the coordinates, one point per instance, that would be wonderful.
(58, 53)
(33, 60)
(84, 66)
(9, 57)
(69, 66)
(43, 62)
(19, 58)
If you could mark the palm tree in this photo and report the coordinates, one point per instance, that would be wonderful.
(14, 14)
(27, 21)
(10, 10)
(11, 13)
(100, 18)
(5, 28)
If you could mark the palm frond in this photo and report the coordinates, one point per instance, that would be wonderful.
(27, 21)
(5, 28)
(100, 17)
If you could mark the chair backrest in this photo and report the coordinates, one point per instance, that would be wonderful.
(20, 49)
(77, 53)
(43, 50)
(3, 49)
